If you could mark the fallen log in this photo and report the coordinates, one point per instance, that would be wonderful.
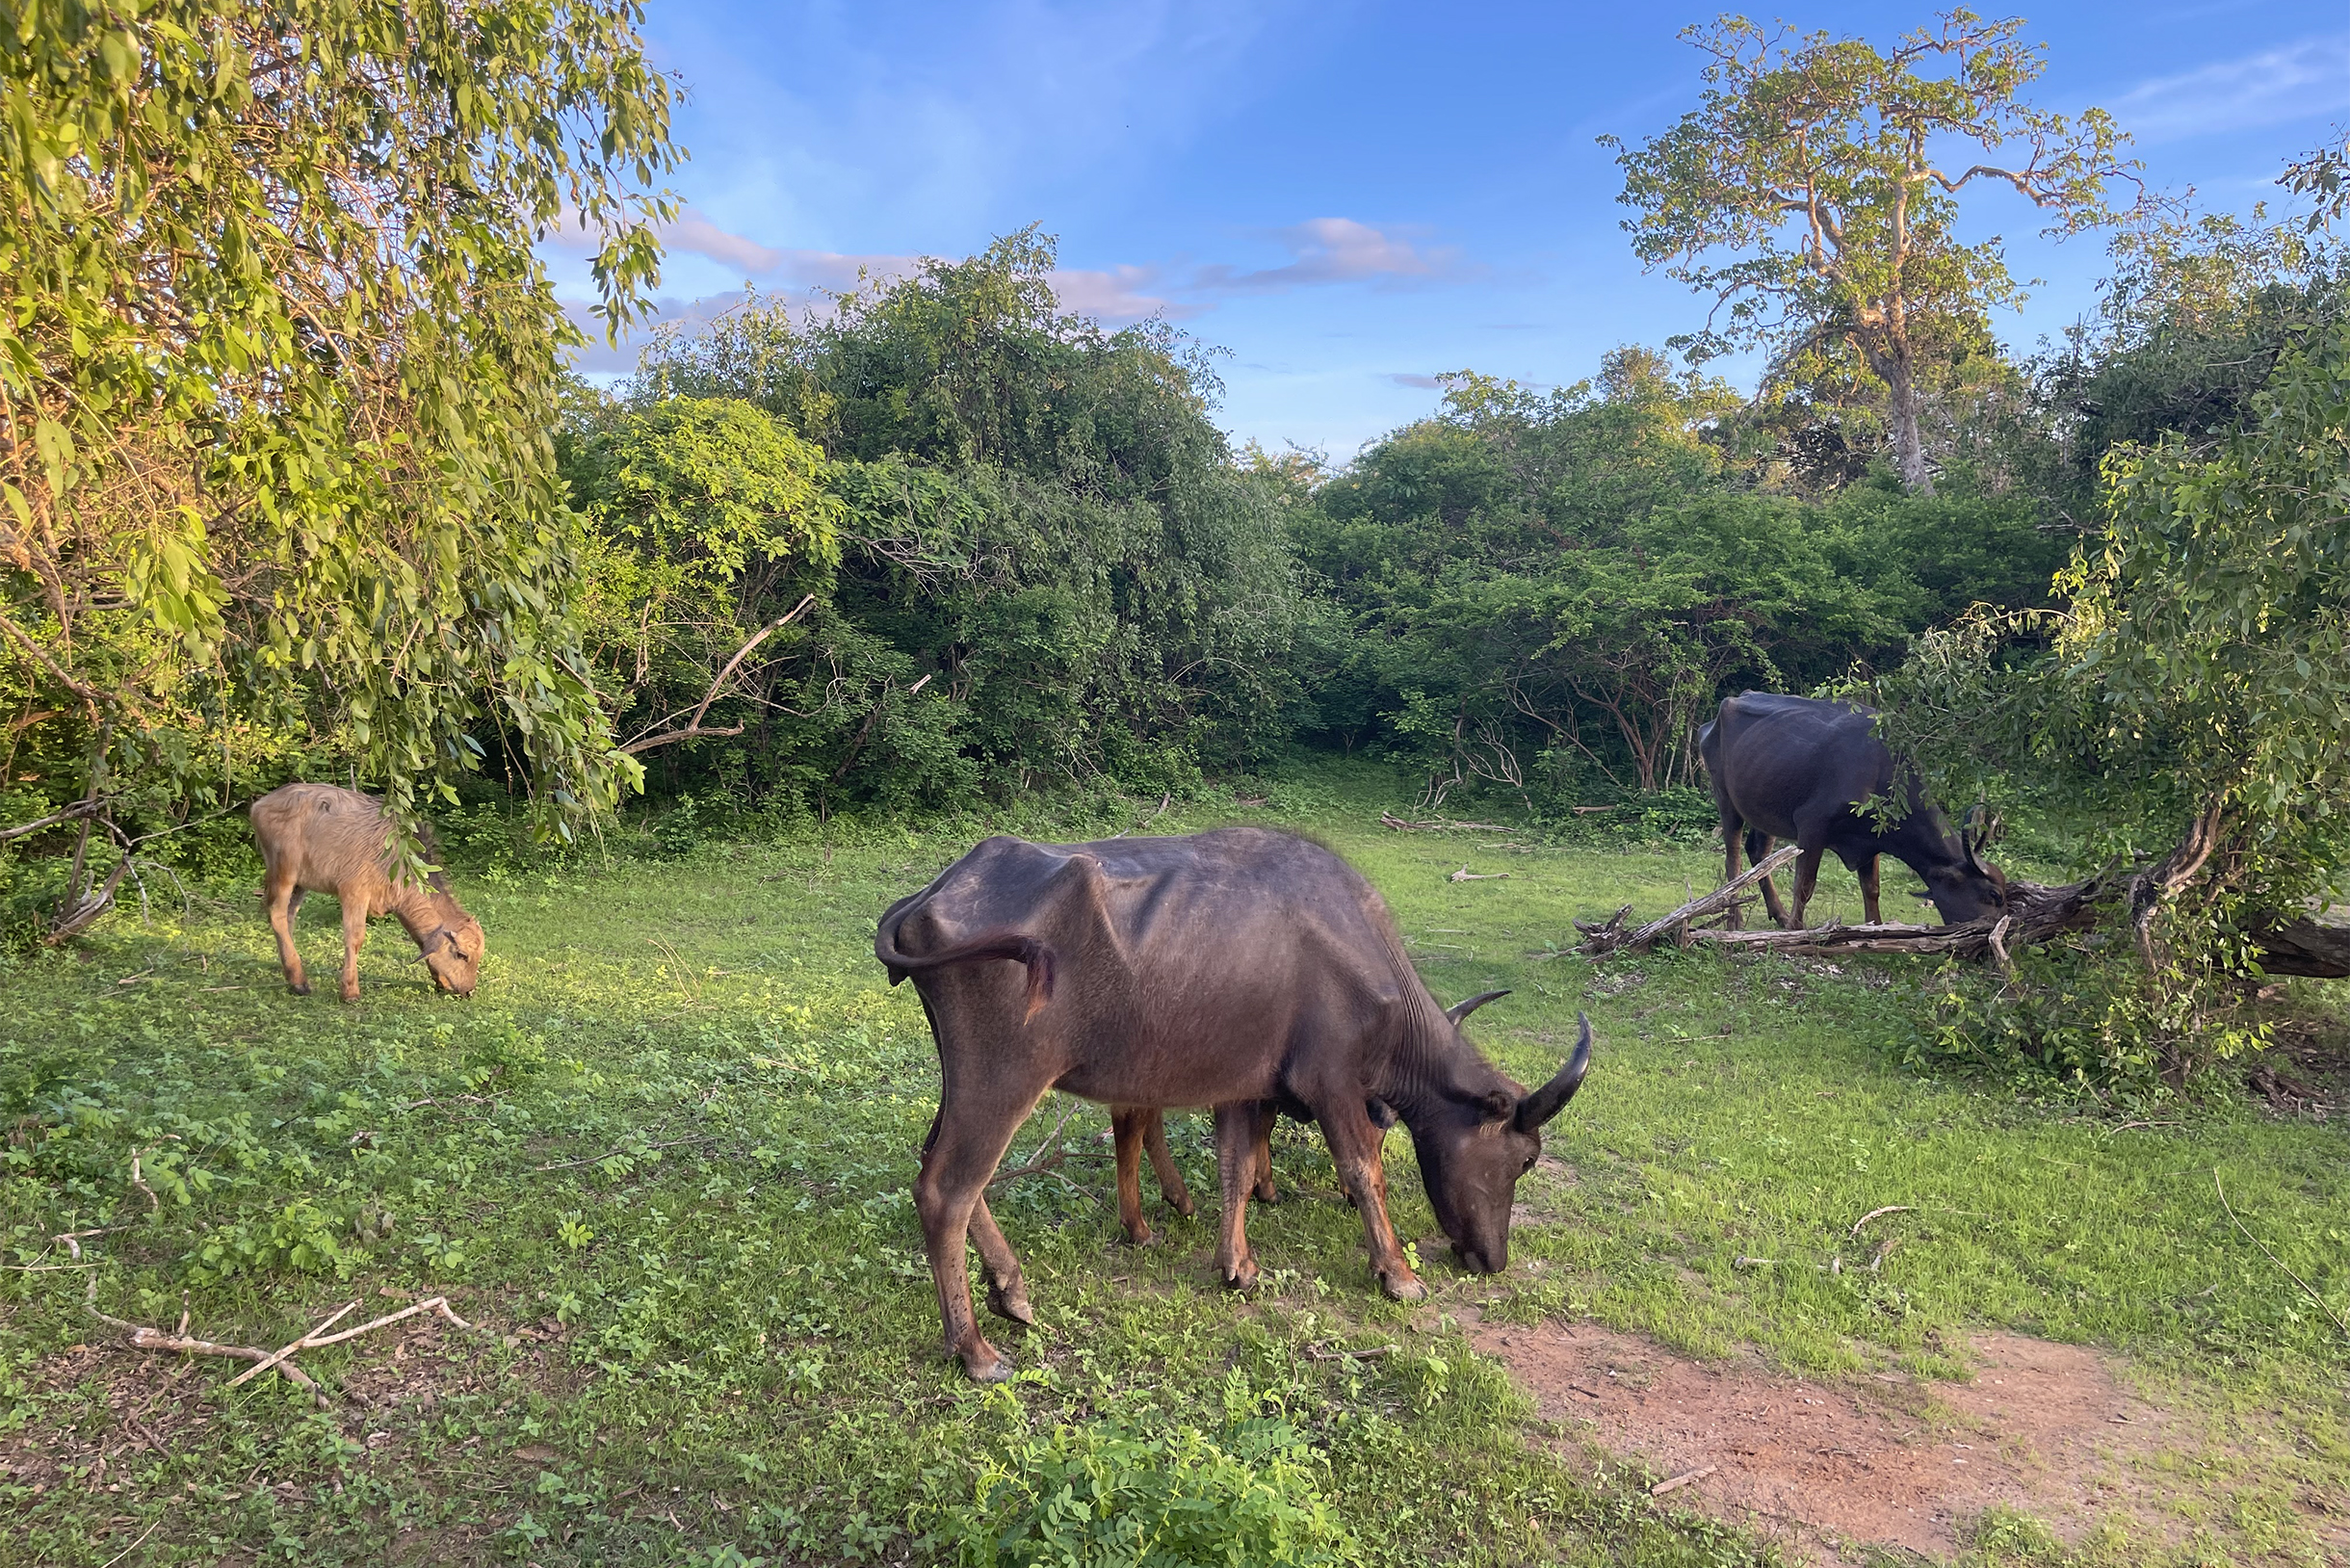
(2034, 914)
(2305, 946)
(1612, 937)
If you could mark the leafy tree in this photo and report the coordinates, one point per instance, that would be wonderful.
(2189, 328)
(1050, 568)
(1822, 162)
(2195, 694)
(280, 364)
(2324, 177)
(700, 513)
(1549, 591)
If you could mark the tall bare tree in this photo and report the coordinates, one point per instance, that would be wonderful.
(1829, 173)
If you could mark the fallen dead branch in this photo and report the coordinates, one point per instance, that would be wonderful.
(1611, 937)
(1464, 874)
(1163, 800)
(1683, 1479)
(1879, 1214)
(1316, 1353)
(1440, 824)
(140, 1337)
(1050, 1156)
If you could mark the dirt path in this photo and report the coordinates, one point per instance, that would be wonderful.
(1831, 1467)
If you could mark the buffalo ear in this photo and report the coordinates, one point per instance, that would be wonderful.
(1497, 1104)
(1552, 1098)
(1460, 1011)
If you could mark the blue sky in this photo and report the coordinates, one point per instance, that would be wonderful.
(1350, 197)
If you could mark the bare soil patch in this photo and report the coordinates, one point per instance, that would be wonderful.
(1835, 1468)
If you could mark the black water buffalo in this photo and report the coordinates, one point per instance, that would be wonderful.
(1243, 969)
(1797, 767)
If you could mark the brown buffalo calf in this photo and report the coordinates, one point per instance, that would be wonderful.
(1140, 1129)
(316, 838)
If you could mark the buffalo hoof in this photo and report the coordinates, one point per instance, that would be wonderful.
(982, 1362)
(1186, 1208)
(1242, 1278)
(1265, 1193)
(298, 990)
(1404, 1287)
(1013, 1305)
(1143, 1237)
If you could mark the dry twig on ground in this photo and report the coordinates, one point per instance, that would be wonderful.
(2333, 1316)
(140, 1337)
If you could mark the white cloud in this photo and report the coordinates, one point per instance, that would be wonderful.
(1323, 251)
(693, 232)
(597, 358)
(1116, 295)
(2299, 81)
(1335, 251)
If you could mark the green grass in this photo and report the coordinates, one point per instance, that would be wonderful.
(727, 1347)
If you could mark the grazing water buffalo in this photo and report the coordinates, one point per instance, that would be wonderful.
(1800, 769)
(1230, 969)
(316, 838)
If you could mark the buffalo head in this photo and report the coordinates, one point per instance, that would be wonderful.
(453, 955)
(1970, 887)
(1473, 1150)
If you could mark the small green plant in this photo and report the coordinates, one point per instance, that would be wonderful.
(574, 1231)
(1103, 1496)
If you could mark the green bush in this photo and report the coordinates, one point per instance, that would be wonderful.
(1103, 1497)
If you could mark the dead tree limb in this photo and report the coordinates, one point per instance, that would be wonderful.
(140, 1337)
(2034, 914)
(1612, 938)
(693, 730)
(2303, 946)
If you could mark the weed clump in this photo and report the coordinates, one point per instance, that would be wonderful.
(1104, 1497)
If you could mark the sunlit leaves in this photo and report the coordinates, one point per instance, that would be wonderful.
(274, 326)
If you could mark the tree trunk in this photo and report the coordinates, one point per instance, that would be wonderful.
(1909, 440)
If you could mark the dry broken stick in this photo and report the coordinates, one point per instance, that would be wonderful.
(1464, 874)
(140, 1337)
(1049, 1155)
(1612, 936)
(1677, 1482)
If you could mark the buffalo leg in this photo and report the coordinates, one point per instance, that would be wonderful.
(1006, 1293)
(354, 933)
(1354, 1148)
(1263, 1155)
(964, 1147)
(1236, 1158)
(1869, 891)
(1730, 866)
(282, 898)
(1807, 879)
(1758, 850)
(1177, 1196)
(1129, 1126)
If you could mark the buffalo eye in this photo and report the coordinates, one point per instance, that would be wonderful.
(1529, 1163)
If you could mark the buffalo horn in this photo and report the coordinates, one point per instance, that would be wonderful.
(1462, 1009)
(1552, 1098)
